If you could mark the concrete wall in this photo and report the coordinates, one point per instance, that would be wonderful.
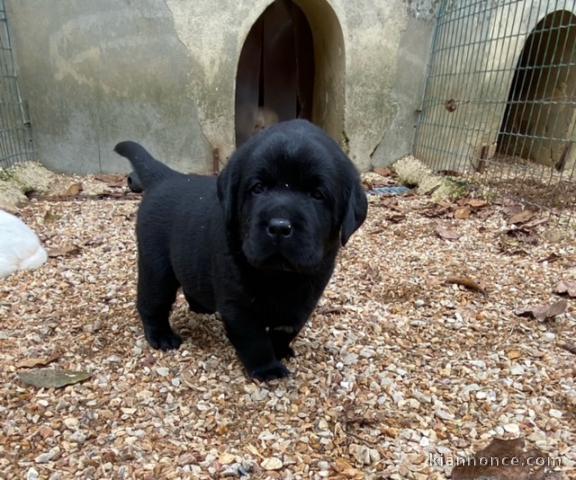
(467, 95)
(162, 72)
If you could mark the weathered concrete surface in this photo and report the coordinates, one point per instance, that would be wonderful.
(405, 93)
(95, 73)
(163, 72)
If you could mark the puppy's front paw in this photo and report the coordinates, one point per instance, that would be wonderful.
(270, 372)
(164, 340)
(284, 352)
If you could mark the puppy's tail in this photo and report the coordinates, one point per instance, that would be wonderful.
(148, 170)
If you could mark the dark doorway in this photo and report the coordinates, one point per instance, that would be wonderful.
(540, 115)
(275, 79)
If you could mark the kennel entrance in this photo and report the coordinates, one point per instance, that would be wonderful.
(539, 118)
(275, 79)
(500, 98)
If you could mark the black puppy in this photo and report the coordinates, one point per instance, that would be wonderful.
(258, 244)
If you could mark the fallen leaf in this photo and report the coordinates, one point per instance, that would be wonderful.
(112, 180)
(569, 348)
(447, 233)
(476, 203)
(514, 354)
(522, 217)
(436, 210)
(36, 361)
(74, 190)
(493, 463)
(462, 213)
(466, 282)
(272, 463)
(535, 223)
(344, 468)
(511, 210)
(52, 377)
(565, 287)
(395, 217)
(64, 251)
(385, 172)
(550, 258)
(543, 312)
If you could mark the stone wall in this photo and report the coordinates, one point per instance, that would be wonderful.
(162, 72)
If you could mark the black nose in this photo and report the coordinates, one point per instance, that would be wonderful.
(279, 227)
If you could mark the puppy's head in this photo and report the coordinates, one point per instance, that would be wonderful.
(290, 196)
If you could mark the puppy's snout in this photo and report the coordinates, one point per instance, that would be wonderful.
(279, 228)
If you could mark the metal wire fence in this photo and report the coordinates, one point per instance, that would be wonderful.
(15, 133)
(500, 97)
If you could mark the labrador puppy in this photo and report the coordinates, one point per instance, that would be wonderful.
(257, 244)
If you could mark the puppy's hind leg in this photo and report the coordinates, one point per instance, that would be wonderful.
(157, 288)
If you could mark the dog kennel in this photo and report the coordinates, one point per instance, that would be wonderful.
(500, 94)
(291, 66)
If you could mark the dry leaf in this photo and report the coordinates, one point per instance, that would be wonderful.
(436, 210)
(344, 468)
(64, 251)
(112, 180)
(476, 203)
(74, 190)
(553, 257)
(566, 287)
(447, 233)
(395, 217)
(569, 348)
(535, 223)
(462, 213)
(486, 465)
(522, 217)
(384, 172)
(37, 362)
(466, 282)
(514, 354)
(543, 312)
(52, 377)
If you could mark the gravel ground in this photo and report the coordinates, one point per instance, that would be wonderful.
(415, 350)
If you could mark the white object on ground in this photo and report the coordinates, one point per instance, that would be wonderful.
(20, 247)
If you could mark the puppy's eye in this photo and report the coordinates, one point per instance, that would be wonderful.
(258, 188)
(317, 195)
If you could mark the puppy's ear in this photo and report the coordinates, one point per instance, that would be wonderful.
(356, 211)
(227, 185)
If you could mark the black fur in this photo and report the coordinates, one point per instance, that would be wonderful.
(258, 244)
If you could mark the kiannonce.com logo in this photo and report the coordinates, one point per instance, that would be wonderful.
(440, 460)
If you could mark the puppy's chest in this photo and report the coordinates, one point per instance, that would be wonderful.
(285, 308)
